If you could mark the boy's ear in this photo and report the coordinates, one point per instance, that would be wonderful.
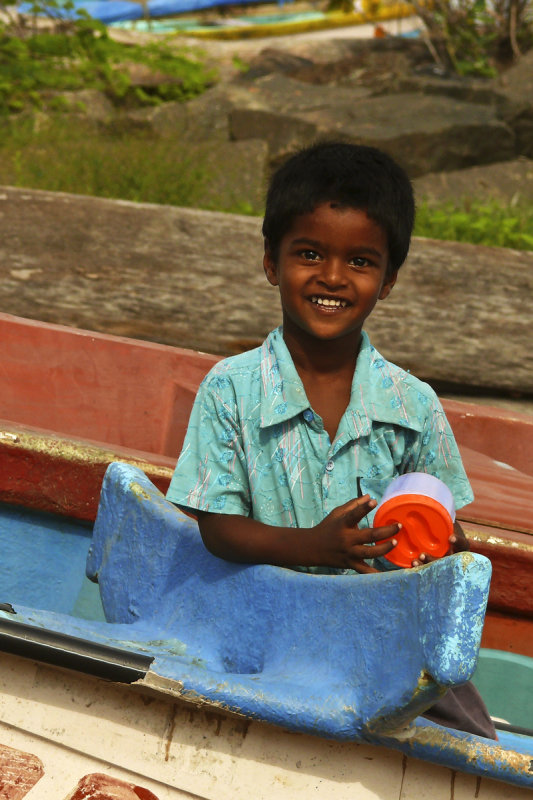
(388, 283)
(269, 265)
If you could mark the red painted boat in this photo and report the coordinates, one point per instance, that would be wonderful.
(74, 401)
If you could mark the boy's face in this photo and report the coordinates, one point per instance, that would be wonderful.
(331, 270)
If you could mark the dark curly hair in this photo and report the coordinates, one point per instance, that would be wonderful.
(352, 176)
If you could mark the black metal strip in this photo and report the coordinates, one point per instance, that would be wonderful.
(508, 727)
(71, 652)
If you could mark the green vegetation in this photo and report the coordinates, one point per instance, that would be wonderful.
(477, 37)
(68, 154)
(38, 65)
(488, 223)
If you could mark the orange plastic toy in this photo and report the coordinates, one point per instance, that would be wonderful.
(427, 525)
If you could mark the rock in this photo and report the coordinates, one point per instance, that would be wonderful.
(145, 77)
(382, 92)
(272, 60)
(283, 134)
(517, 87)
(93, 104)
(279, 93)
(203, 119)
(517, 81)
(336, 59)
(235, 174)
(467, 90)
(457, 315)
(506, 182)
(423, 132)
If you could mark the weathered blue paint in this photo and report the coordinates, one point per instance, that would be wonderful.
(338, 656)
(278, 644)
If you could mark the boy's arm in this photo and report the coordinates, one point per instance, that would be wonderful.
(337, 541)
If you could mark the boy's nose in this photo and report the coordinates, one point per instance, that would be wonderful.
(333, 272)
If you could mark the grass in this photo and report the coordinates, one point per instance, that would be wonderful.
(480, 222)
(71, 155)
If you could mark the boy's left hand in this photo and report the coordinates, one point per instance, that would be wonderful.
(458, 544)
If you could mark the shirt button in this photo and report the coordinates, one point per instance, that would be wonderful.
(308, 415)
(330, 466)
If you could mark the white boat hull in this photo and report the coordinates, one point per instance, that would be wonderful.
(135, 743)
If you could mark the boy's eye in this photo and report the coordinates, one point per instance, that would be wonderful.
(309, 255)
(359, 261)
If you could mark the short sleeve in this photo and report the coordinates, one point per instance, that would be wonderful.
(437, 454)
(211, 472)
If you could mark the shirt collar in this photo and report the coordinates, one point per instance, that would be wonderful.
(380, 390)
(283, 394)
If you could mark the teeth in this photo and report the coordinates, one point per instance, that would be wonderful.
(325, 301)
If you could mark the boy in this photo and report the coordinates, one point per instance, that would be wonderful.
(291, 445)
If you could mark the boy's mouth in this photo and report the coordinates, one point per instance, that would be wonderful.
(328, 302)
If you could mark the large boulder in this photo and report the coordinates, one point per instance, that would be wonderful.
(507, 182)
(423, 132)
(516, 86)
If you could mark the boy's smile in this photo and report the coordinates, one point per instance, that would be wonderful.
(331, 270)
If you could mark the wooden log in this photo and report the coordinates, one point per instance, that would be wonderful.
(459, 314)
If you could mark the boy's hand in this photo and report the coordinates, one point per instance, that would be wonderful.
(343, 544)
(458, 544)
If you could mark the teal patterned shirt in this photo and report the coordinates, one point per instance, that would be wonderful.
(255, 447)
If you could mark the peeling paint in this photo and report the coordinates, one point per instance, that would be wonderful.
(498, 541)
(138, 491)
(485, 754)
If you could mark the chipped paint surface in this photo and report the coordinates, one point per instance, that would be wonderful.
(470, 753)
(490, 538)
(19, 772)
(79, 726)
(138, 491)
(104, 787)
(53, 473)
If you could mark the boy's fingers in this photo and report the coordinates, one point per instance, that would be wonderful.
(383, 548)
(362, 551)
(357, 560)
(355, 510)
(377, 534)
(459, 544)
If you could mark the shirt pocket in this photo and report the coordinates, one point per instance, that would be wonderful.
(376, 485)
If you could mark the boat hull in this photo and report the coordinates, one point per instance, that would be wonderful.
(69, 726)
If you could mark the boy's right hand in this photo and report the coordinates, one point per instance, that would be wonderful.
(343, 544)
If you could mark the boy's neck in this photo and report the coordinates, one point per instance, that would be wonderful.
(324, 358)
(326, 371)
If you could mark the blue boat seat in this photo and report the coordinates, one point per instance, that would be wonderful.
(349, 657)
